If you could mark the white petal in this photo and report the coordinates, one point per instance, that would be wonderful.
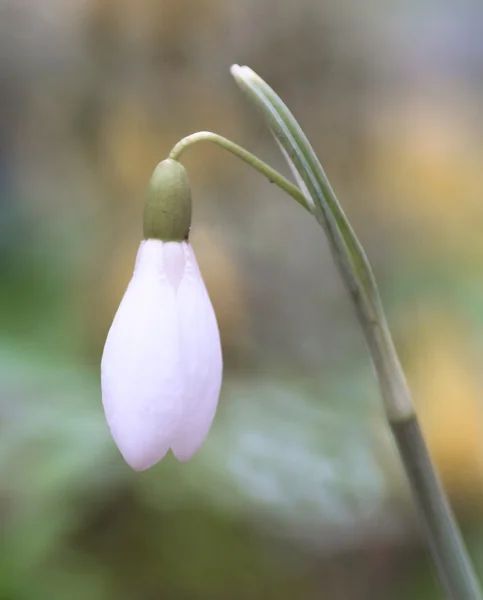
(142, 380)
(202, 360)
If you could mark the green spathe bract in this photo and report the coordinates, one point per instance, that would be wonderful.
(167, 212)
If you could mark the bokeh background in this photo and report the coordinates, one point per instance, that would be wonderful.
(298, 492)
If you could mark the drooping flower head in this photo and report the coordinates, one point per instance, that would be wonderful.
(162, 365)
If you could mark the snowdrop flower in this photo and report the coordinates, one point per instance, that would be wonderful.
(162, 365)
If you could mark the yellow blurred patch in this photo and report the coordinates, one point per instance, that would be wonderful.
(428, 166)
(448, 394)
(133, 146)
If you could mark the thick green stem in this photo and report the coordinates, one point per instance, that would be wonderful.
(273, 175)
(451, 560)
(448, 551)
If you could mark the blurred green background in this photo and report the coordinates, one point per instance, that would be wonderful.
(298, 491)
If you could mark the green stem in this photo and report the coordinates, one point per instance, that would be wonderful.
(453, 565)
(451, 560)
(272, 175)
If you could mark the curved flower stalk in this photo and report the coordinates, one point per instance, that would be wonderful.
(161, 368)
